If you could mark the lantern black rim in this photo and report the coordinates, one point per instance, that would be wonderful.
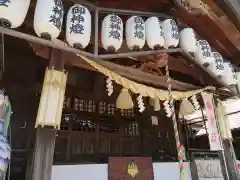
(206, 65)
(157, 47)
(136, 48)
(46, 36)
(5, 23)
(111, 49)
(78, 46)
(192, 53)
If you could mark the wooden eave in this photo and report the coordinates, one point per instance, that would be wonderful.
(232, 10)
(215, 27)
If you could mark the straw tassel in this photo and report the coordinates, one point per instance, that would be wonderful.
(186, 107)
(195, 102)
(155, 104)
(124, 100)
(174, 120)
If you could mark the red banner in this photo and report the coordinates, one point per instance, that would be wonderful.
(213, 135)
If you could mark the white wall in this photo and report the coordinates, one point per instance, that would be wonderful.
(165, 171)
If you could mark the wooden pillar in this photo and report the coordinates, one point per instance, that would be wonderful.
(46, 136)
(43, 154)
(230, 160)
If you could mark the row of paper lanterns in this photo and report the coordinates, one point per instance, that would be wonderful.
(48, 20)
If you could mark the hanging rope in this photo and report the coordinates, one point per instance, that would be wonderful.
(174, 121)
(142, 89)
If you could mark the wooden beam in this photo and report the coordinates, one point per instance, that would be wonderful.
(131, 73)
(175, 64)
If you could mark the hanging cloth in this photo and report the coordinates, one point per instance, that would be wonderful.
(8, 119)
(223, 121)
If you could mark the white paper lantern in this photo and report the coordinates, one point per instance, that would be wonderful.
(48, 18)
(13, 13)
(112, 33)
(230, 77)
(217, 66)
(170, 33)
(188, 40)
(203, 53)
(135, 33)
(154, 33)
(78, 27)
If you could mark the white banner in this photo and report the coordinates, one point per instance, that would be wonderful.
(209, 170)
(213, 135)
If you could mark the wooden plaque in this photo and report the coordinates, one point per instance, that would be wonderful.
(130, 168)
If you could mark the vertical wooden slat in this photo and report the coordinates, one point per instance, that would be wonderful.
(229, 156)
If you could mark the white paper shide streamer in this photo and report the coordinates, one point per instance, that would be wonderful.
(48, 18)
(13, 13)
(170, 33)
(154, 33)
(167, 108)
(203, 53)
(112, 33)
(140, 103)
(78, 27)
(135, 33)
(109, 86)
(195, 102)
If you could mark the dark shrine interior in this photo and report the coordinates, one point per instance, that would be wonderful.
(92, 128)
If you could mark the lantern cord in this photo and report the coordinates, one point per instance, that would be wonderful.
(174, 121)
